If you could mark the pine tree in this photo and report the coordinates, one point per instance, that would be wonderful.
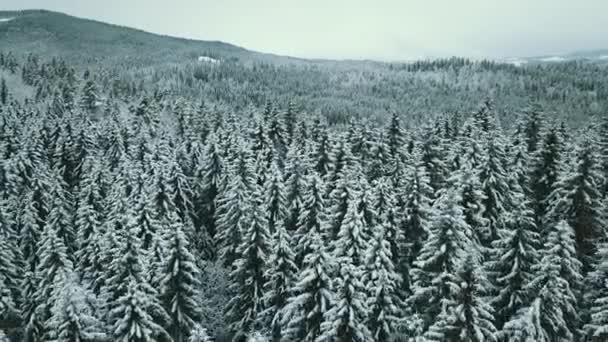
(180, 284)
(312, 295)
(280, 275)
(248, 275)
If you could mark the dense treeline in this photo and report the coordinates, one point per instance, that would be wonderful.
(134, 217)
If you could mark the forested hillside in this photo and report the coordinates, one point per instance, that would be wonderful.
(125, 62)
(158, 211)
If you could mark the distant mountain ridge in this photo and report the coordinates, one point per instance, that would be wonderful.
(76, 39)
(85, 40)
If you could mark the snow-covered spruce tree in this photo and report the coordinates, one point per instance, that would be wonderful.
(383, 285)
(395, 136)
(577, 200)
(54, 268)
(341, 158)
(352, 239)
(232, 207)
(145, 212)
(596, 296)
(311, 295)
(556, 280)
(466, 182)
(414, 197)
(296, 165)
(11, 259)
(512, 261)
(248, 274)
(311, 219)
(275, 202)
(383, 163)
(72, 317)
(132, 316)
(435, 270)
(59, 216)
(346, 318)
(337, 203)
(471, 318)
(320, 156)
(387, 216)
(9, 311)
(432, 157)
(280, 275)
(208, 183)
(199, 334)
(89, 214)
(603, 153)
(88, 98)
(180, 283)
(545, 170)
(126, 277)
(495, 186)
(533, 127)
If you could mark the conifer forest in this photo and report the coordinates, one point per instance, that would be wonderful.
(179, 204)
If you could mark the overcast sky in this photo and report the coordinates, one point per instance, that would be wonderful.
(380, 29)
